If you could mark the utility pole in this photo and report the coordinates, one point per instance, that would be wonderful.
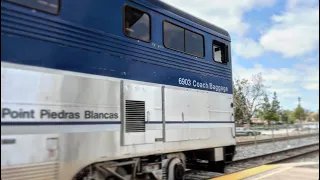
(299, 105)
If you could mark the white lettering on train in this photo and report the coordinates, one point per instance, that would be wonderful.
(209, 86)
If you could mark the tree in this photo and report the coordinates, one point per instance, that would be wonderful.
(292, 118)
(240, 103)
(299, 113)
(270, 111)
(275, 107)
(248, 97)
(287, 116)
(284, 116)
(264, 111)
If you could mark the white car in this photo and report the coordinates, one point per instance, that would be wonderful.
(242, 131)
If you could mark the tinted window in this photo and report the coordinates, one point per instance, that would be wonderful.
(173, 36)
(220, 52)
(137, 24)
(194, 44)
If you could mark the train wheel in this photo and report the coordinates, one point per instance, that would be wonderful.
(175, 169)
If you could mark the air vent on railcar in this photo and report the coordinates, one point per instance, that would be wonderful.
(135, 116)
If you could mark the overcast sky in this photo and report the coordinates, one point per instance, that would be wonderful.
(278, 38)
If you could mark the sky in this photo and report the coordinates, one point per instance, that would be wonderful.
(278, 38)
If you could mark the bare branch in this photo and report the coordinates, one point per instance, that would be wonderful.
(249, 95)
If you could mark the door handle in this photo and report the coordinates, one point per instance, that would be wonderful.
(148, 116)
(182, 116)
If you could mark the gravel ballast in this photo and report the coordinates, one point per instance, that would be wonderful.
(259, 149)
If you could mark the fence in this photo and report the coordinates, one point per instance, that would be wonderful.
(260, 132)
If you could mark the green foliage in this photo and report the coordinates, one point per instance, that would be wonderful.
(284, 116)
(265, 108)
(275, 106)
(287, 117)
(299, 113)
(269, 111)
(240, 104)
(250, 100)
(292, 119)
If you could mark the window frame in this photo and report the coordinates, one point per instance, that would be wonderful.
(124, 23)
(184, 38)
(203, 43)
(225, 54)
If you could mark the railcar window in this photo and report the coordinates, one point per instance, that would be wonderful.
(137, 24)
(173, 36)
(217, 51)
(180, 39)
(220, 52)
(194, 44)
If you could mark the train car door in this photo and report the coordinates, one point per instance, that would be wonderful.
(186, 114)
(176, 126)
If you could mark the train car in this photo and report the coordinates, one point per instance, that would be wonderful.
(125, 89)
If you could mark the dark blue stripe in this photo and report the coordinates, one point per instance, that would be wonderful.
(51, 123)
(76, 60)
(192, 122)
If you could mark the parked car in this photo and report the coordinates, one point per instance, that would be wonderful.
(242, 131)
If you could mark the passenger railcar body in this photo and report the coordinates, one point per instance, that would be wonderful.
(101, 89)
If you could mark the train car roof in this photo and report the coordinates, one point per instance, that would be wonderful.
(189, 17)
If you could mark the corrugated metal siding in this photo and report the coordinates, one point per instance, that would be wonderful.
(43, 171)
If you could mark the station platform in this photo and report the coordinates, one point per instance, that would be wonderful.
(291, 171)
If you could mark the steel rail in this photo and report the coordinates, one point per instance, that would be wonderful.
(267, 140)
(255, 161)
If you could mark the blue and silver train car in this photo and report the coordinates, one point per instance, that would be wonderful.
(112, 89)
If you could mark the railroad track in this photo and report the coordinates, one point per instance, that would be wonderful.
(267, 140)
(251, 162)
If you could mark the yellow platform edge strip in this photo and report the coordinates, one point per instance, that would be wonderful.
(246, 173)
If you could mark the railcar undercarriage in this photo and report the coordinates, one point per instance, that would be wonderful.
(158, 167)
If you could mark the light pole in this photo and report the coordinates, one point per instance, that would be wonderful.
(299, 106)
